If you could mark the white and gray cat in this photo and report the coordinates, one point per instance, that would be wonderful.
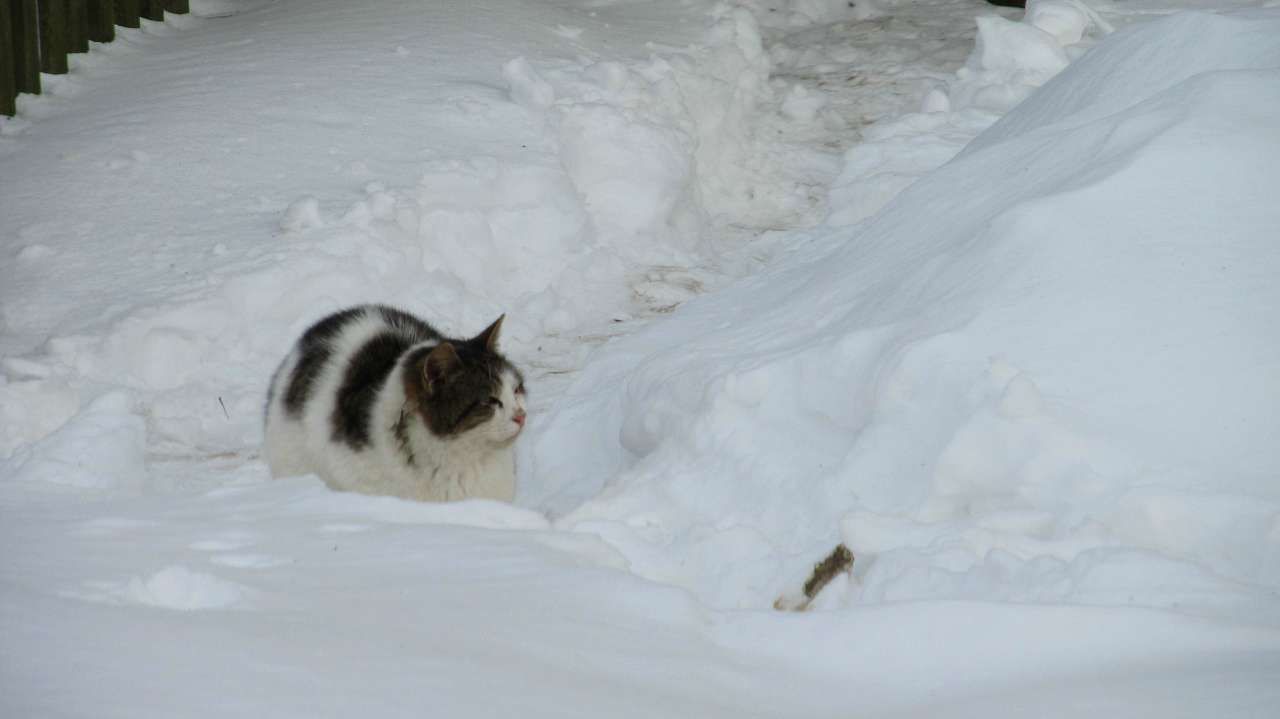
(375, 400)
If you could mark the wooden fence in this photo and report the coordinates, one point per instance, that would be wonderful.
(37, 35)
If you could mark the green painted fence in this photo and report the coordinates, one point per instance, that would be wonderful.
(37, 35)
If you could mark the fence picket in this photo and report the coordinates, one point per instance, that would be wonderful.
(77, 26)
(26, 45)
(53, 36)
(102, 20)
(8, 62)
(127, 13)
(36, 35)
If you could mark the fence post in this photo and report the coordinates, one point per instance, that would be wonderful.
(77, 26)
(153, 9)
(8, 63)
(127, 13)
(178, 7)
(26, 46)
(102, 20)
(53, 36)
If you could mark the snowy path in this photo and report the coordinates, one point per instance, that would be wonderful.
(189, 198)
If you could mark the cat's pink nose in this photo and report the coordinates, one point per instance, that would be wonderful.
(519, 417)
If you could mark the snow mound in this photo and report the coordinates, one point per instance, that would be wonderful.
(655, 149)
(101, 448)
(622, 167)
(302, 214)
(179, 588)
(1046, 372)
(1010, 59)
(175, 587)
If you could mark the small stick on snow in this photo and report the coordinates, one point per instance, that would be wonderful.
(224, 409)
(840, 560)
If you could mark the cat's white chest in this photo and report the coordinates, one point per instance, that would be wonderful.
(491, 475)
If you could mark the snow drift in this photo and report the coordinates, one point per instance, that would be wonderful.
(1046, 372)
(1044, 375)
(622, 164)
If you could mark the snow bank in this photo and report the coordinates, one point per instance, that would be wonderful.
(655, 149)
(619, 168)
(1046, 372)
(101, 448)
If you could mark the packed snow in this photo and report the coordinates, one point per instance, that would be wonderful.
(985, 296)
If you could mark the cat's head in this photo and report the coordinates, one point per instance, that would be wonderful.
(467, 389)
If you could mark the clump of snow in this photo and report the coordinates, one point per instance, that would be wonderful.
(1010, 59)
(302, 214)
(526, 85)
(802, 104)
(935, 101)
(183, 589)
(32, 406)
(1065, 20)
(653, 148)
(103, 447)
(1016, 47)
(629, 174)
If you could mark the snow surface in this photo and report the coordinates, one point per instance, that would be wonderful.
(988, 297)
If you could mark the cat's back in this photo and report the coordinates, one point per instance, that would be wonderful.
(363, 340)
(331, 375)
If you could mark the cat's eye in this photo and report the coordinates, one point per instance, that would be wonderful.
(520, 389)
(494, 401)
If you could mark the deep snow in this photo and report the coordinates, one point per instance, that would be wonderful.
(1018, 381)
(762, 308)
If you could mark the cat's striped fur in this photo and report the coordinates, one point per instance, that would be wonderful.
(375, 400)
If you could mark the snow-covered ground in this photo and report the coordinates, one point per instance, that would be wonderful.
(988, 298)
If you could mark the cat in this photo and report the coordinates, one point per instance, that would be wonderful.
(374, 400)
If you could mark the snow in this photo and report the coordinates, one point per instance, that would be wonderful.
(1003, 386)
(985, 296)
(101, 447)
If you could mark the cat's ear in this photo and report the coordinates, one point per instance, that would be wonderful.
(441, 362)
(489, 337)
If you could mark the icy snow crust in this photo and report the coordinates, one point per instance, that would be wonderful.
(1033, 388)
